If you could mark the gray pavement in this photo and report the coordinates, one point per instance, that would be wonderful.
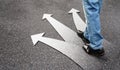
(19, 19)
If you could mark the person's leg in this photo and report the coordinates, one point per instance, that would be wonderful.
(93, 30)
(86, 30)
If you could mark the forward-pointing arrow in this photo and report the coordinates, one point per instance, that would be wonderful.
(73, 51)
(79, 23)
(66, 33)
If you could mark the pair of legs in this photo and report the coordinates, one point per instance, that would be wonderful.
(93, 30)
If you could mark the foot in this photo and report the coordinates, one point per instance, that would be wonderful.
(81, 35)
(89, 50)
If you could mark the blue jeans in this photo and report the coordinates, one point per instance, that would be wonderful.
(93, 30)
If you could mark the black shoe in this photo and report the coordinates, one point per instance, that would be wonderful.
(81, 35)
(89, 50)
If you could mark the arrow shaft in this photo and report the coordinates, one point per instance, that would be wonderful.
(65, 32)
(79, 23)
(76, 53)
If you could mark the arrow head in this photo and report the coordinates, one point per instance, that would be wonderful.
(35, 38)
(46, 16)
(73, 11)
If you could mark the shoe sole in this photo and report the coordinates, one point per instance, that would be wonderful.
(88, 51)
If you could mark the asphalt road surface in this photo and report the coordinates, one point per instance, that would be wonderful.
(19, 19)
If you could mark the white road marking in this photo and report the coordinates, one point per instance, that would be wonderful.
(65, 32)
(79, 23)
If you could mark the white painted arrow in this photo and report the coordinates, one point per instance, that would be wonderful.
(70, 46)
(35, 38)
(79, 23)
(66, 33)
(74, 52)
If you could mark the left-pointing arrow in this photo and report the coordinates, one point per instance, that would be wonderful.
(35, 38)
(66, 33)
(75, 52)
